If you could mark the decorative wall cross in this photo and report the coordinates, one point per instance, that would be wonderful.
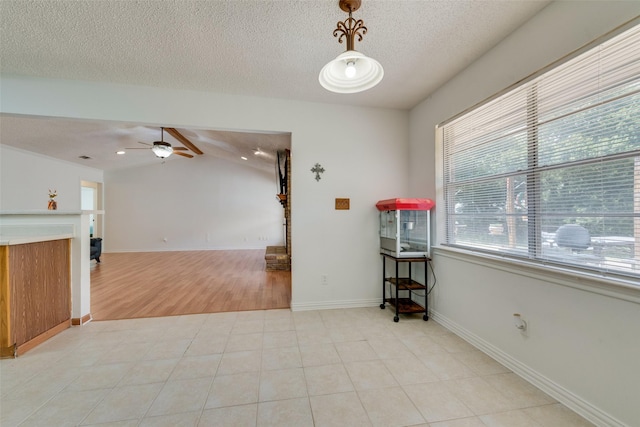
(317, 169)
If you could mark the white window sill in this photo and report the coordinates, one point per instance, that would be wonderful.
(622, 288)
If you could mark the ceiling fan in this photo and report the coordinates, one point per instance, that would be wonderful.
(163, 149)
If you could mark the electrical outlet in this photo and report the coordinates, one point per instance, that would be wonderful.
(324, 280)
(520, 324)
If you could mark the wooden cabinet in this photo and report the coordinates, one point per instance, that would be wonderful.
(392, 286)
(35, 293)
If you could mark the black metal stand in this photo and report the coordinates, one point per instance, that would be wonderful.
(405, 305)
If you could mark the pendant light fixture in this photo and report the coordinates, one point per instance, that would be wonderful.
(351, 71)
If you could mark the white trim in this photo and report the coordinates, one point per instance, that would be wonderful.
(626, 290)
(329, 305)
(561, 394)
(222, 248)
(440, 228)
(32, 212)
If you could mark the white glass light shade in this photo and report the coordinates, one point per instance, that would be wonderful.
(162, 149)
(368, 73)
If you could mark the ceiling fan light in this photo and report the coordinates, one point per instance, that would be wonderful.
(161, 149)
(366, 73)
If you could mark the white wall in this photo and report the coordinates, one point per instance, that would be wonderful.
(363, 150)
(582, 345)
(199, 203)
(25, 180)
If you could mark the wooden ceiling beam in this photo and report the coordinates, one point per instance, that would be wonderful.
(184, 141)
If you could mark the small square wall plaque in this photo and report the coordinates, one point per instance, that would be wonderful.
(342, 204)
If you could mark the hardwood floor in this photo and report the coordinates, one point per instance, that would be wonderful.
(152, 284)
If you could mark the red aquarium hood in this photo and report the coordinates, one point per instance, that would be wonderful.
(405, 205)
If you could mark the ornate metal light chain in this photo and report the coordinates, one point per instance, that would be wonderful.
(350, 28)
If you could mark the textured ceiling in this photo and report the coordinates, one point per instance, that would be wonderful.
(267, 48)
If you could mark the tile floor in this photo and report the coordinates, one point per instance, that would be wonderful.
(351, 367)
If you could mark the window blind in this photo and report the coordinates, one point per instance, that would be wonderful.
(550, 170)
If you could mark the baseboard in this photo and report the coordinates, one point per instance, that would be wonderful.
(561, 394)
(220, 248)
(82, 320)
(328, 305)
(7, 352)
(23, 348)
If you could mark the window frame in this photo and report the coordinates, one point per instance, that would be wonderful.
(533, 260)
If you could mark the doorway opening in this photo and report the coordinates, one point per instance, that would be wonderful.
(91, 200)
